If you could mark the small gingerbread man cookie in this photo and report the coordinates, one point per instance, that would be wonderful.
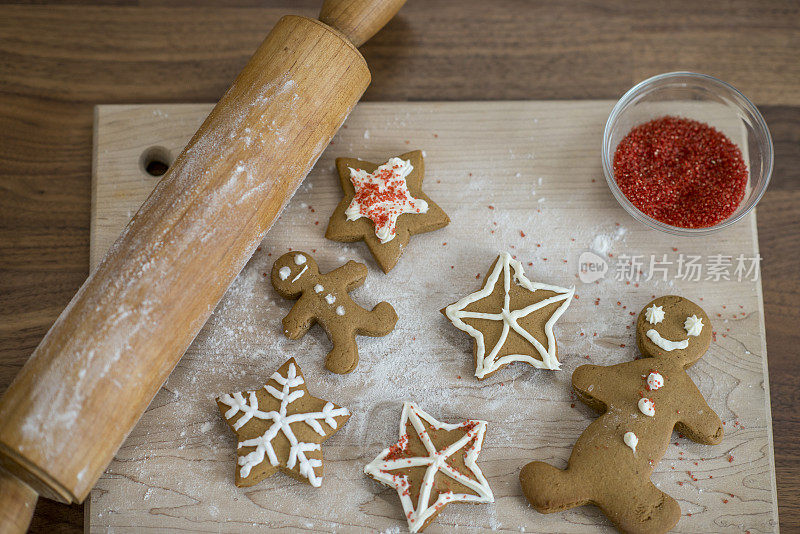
(641, 403)
(324, 299)
(384, 206)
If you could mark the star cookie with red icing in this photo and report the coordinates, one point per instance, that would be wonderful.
(384, 206)
(432, 465)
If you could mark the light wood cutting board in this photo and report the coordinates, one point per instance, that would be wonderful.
(518, 176)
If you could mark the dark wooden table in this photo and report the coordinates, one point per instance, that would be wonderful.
(60, 58)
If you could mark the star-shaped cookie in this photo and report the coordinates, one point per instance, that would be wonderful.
(432, 465)
(281, 426)
(511, 318)
(384, 206)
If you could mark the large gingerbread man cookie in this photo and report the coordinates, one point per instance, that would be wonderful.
(641, 403)
(324, 299)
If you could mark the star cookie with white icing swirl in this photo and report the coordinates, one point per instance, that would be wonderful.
(511, 318)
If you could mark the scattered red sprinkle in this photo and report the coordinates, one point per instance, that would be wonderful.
(491, 207)
(521, 233)
(681, 172)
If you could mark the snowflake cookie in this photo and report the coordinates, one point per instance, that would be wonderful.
(432, 465)
(281, 426)
(384, 206)
(511, 318)
(325, 299)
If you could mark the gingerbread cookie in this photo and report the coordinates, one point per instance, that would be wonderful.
(281, 426)
(511, 318)
(384, 206)
(324, 299)
(432, 465)
(641, 403)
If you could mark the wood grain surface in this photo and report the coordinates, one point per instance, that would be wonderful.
(59, 59)
(518, 176)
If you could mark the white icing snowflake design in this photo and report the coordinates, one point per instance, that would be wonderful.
(489, 363)
(292, 388)
(436, 461)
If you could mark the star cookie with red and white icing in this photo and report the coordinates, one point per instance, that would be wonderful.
(384, 206)
(432, 465)
(281, 426)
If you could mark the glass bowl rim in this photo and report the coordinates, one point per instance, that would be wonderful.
(744, 103)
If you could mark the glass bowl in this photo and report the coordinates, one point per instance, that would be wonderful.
(702, 98)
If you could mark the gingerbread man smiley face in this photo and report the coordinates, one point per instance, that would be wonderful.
(673, 327)
(291, 271)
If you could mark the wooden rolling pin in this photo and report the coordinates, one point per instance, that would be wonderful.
(94, 373)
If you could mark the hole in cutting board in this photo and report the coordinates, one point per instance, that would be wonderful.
(155, 161)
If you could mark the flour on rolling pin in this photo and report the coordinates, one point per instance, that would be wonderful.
(106, 356)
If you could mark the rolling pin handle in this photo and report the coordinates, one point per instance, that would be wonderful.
(17, 502)
(359, 20)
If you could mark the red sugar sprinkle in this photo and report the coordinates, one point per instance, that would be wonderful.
(681, 172)
(521, 233)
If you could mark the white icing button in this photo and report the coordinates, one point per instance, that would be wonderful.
(654, 381)
(630, 440)
(284, 273)
(693, 325)
(654, 314)
(647, 407)
(339, 310)
(318, 288)
(330, 299)
(299, 259)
